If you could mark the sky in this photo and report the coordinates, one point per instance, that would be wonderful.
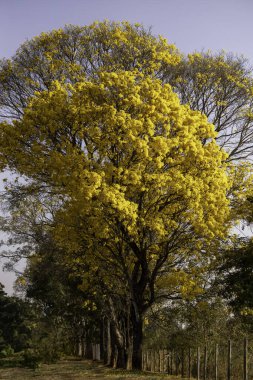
(192, 25)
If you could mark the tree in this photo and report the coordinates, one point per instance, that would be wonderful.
(130, 162)
(186, 324)
(238, 280)
(15, 331)
(219, 86)
(65, 313)
(73, 53)
(234, 274)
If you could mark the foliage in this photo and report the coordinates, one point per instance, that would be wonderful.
(237, 277)
(125, 193)
(36, 333)
(220, 86)
(203, 322)
(131, 165)
(31, 359)
(14, 327)
(74, 53)
(142, 190)
(6, 351)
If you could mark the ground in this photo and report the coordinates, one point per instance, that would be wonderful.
(77, 370)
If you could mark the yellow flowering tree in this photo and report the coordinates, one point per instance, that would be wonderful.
(75, 52)
(141, 179)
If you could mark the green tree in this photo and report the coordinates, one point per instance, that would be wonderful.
(237, 277)
(14, 325)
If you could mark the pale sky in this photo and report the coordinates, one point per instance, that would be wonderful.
(190, 24)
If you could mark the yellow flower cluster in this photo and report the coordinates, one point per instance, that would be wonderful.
(124, 149)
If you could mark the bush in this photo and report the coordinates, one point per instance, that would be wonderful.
(6, 351)
(11, 361)
(49, 353)
(31, 358)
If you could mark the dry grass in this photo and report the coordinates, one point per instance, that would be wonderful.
(77, 370)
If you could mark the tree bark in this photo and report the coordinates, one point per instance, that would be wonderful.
(122, 357)
(88, 350)
(118, 352)
(82, 346)
(137, 342)
(107, 342)
(101, 339)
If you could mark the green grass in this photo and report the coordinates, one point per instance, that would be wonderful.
(77, 370)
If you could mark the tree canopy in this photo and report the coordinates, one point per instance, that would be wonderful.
(137, 180)
(219, 86)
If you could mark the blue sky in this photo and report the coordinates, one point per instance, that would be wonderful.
(190, 24)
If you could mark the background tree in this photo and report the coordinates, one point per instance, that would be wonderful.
(69, 322)
(15, 331)
(219, 86)
(238, 281)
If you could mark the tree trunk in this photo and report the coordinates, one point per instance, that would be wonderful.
(129, 347)
(118, 356)
(118, 352)
(137, 326)
(122, 357)
(113, 352)
(101, 339)
(88, 350)
(82, 346)
(107, 342)
(76, 347)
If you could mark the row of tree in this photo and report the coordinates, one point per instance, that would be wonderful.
(131, 164)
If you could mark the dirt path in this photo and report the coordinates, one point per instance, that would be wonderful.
(76, 370)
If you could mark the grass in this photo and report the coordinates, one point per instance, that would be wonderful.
(77, 370)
